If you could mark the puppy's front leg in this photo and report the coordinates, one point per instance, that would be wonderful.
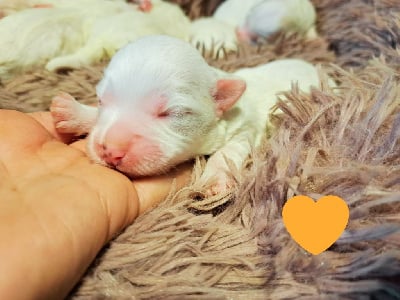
(213, 37)
(217, 170)
(70, 116)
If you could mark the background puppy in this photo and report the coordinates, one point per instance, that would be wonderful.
(69, 34)
(247, 21)
(270, 16)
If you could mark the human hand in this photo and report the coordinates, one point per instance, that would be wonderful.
(57, 209)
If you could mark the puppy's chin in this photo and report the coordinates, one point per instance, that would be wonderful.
(133, 166)
(137, 169)
(142, 170)
(147, 167)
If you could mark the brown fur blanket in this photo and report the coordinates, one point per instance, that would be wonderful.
(344, 142)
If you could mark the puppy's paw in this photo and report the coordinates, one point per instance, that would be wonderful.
(66, 113)
(221, 186)
(213, 38)
(64, 62)
(219, 183)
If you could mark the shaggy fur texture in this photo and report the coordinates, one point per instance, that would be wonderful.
(344, 142)
(357, 30)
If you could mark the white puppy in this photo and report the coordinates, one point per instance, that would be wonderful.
(76, 33)
(270, 16)
(238, 20)
(111, 32)
(168, 106)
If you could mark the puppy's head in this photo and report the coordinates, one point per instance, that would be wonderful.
(159, 100)
(271, 16)
(263, 20)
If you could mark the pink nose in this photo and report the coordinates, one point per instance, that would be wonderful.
(113, 156)
(244, 35)
(116, 144)
(145, 5)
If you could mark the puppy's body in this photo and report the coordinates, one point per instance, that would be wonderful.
(247, 21)
(234, 12)
(74, 33)
(8, 7)
(113, 31)
(170, 106)
(245, 124)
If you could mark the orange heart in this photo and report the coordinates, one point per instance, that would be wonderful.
(315, 226)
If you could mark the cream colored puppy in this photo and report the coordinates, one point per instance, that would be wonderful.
(270, 16)
(238, 20)
(161, 104)
(75, 33)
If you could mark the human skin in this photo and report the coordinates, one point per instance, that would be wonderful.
(58, 209)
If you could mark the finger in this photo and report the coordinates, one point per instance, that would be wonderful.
(152, 190)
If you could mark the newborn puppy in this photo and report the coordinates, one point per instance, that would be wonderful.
(168, 106)
(270, 16)
(247, 21)
(111, 32)
(69, 34)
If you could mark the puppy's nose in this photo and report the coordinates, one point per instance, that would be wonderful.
(113, 151)
(243, 34)
(117, 142)
(145, 5)
(113, 156)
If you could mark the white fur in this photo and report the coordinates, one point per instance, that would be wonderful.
(210, 34)
(212, 37)
(259, 18)
(234, 12)
(75, 33)
(112, 32)
(129, 79)
(269, 16)
(175, 70)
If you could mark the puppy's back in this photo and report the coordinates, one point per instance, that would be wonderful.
(265, 82)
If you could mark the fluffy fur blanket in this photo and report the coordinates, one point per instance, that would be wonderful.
(235, 246)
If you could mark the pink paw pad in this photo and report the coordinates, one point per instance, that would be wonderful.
(65, 112)
(220, 187)
(220, 184)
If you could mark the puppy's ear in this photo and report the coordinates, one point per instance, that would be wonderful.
(226, 92)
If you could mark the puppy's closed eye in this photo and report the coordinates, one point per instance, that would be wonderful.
(176, 112)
